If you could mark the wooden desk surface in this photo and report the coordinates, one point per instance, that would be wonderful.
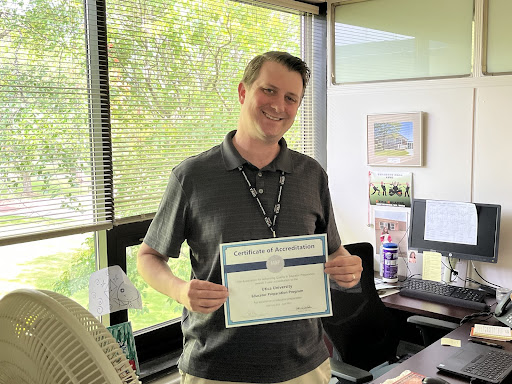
(426, 361)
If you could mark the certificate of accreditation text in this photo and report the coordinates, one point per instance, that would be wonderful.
(277, 279)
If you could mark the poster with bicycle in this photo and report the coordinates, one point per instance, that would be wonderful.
(390, 188)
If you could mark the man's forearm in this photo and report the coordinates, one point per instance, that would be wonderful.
(157, 273)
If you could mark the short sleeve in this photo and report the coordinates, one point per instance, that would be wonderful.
(167, 230)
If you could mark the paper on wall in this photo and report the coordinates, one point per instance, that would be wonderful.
(110, 290)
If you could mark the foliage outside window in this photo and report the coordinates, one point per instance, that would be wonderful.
(76, 137)
(157, 308)
(174, 70)
(59, 264)
(46, 174)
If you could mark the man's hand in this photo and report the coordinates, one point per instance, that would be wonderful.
(203, 296)
(345, 269)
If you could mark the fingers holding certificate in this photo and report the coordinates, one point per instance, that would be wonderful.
(203, 296)
(345, 269)
(275, 280)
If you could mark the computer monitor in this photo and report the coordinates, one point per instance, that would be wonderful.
(488, 230)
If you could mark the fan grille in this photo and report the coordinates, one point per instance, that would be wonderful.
(48, 338)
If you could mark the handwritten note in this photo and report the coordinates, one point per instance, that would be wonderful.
(451, 222)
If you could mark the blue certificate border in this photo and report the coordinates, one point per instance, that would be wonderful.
(288, 262)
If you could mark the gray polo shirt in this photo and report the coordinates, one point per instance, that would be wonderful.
(207, 202)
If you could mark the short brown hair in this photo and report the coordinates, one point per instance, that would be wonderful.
(252, 71)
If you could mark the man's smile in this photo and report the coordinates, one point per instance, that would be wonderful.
(272, 117)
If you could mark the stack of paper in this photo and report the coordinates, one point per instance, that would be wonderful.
(385, 289)
(492, 332)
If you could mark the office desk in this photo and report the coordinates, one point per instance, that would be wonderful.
(426, 361)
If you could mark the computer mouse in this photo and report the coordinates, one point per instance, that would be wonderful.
(434, 380)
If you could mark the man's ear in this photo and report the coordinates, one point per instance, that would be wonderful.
(241, 93)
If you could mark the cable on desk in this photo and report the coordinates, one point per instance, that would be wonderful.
(410, 277)
(479, 275)
(478, 314)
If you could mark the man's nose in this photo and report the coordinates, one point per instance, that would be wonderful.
(278, 104)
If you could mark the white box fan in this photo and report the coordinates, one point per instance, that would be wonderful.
(48, 338)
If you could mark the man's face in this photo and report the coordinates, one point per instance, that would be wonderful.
(270, 104)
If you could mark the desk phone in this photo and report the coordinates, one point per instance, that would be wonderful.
(503, 311)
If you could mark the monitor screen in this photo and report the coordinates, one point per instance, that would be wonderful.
(488, 230)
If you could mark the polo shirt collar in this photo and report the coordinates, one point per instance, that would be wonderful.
(233, 159)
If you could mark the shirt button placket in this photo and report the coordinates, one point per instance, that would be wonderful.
(260, 184)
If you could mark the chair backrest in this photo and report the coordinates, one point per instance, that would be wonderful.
(362, 329)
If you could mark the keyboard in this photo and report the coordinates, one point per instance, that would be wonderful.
(491, 367)
(445, 294)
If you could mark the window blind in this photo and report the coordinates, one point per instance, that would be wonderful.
(49, 177)
(174, 70)
(97, 106)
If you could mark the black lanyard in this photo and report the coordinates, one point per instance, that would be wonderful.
(277, 207)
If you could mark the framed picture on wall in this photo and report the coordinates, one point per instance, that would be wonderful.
(394, 139)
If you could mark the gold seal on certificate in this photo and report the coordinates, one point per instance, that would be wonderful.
(276, 279)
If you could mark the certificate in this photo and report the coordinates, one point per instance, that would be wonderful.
(274, 280)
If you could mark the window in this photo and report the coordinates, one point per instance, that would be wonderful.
(499, 30)
(387, 225)
(60, 264)
(401, 39)
(157, 308)
(48, 184)
(100, 102)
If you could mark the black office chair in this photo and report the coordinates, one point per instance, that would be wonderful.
(363, 331)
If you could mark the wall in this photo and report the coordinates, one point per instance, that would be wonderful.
(467, 136)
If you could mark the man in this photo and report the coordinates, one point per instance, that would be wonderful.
(208, 201)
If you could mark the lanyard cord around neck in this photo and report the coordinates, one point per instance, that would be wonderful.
(277, 207)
